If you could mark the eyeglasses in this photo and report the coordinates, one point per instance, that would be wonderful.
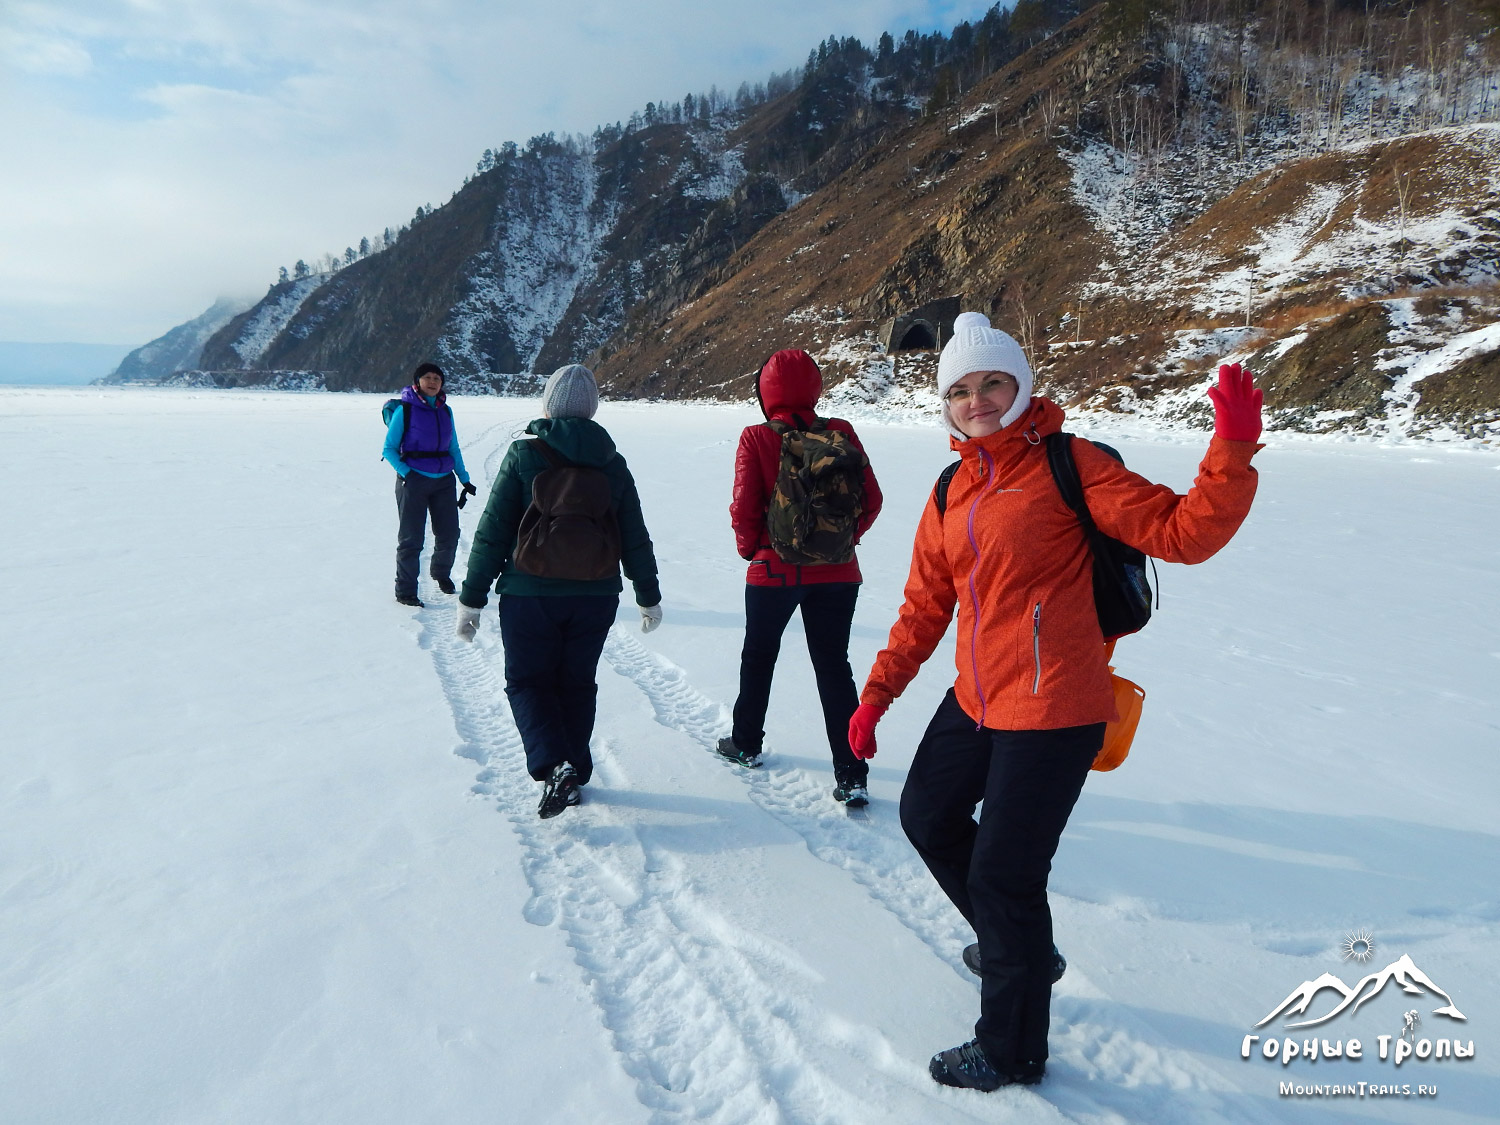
(987, 389)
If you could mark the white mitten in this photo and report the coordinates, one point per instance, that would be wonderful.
(468, 622)
(650, 616)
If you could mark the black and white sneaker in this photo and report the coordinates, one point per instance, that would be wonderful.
(750, 759)
(1059, 962)
(559, 790)
(968, 1067)
(852, 794)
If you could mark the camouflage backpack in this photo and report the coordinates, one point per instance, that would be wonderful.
(819, 495)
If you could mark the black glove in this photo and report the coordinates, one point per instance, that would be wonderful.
(465, 492)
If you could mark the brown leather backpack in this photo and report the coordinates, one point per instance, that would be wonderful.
(569, 530)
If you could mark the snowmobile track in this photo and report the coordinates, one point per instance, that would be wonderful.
(705, 1028)
(1096, 1038)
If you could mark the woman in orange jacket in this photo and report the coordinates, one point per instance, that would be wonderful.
(1024, 719)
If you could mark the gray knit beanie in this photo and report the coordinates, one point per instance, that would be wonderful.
(571, 393)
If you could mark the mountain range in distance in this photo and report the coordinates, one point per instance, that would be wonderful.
(1135, 191)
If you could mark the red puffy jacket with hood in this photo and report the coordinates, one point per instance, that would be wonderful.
(789, 386)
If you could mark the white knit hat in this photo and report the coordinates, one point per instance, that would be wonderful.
(976, 346)
(571, 393)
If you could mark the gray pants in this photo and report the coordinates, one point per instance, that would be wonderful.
(416, 496)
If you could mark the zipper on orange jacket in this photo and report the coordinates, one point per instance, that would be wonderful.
(1036, 647)
(989, 468)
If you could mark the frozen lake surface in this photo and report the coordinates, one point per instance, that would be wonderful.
(268, 852)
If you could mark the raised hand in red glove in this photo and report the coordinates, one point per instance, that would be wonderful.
(1236, 404)
(862, 729)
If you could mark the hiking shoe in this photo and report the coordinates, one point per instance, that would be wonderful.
(1059, 962)
(851, 793)
(750, 759)
(445, 584)
(969, 1068)
(409, 599)
(559, 790)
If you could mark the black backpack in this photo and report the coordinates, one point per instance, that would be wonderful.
(569, 530)
(1122, 596)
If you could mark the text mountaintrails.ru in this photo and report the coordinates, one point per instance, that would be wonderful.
(1356, 1090)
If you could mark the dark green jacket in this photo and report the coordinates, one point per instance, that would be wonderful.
(584, 442)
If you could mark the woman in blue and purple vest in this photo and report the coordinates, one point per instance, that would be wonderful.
(422, 447)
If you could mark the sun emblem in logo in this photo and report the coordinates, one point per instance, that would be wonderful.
(1358, 946)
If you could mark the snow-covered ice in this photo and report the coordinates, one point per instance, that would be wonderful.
(268, 853)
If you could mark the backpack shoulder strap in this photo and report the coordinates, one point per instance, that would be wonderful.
(554, 459)
(1065, 475)
(940, 490)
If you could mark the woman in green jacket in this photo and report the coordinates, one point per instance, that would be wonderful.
(552, 621)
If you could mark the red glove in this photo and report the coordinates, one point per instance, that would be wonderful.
(1236, 404)
(862, 729)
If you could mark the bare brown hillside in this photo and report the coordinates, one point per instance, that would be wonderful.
(974, 203)
(1127, 272)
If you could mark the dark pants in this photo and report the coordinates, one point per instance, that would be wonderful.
(996, 871)
(417, 497)
(827, 611)
(552, 648)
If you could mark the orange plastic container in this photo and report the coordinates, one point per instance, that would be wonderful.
(1119, 734)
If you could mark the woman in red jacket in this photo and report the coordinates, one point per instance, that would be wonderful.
(1023, 721)
(789, 386)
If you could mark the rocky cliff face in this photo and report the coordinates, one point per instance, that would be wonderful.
(1132, 222)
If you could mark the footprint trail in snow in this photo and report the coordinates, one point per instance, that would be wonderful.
(1095, 1039)
(707, 1030)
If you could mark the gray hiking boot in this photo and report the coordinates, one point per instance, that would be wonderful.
(968, 1067)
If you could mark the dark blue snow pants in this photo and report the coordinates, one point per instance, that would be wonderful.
(552, 647)
(996, 871)
(417, 497)
(827, 612)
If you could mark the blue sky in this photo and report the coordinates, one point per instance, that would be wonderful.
(162, 153)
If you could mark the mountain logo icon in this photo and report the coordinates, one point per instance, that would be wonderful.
(1402, 972)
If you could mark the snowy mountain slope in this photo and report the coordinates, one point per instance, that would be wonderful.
(1135, 199)
(246, 339)
(178, 349)
(288, 867)
(1121, 205)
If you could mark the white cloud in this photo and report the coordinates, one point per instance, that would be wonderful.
(161, 152)
(43, 54)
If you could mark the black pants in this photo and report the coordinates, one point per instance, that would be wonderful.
(552, 647)
(416, 498)
(996, 871)
(827, 612)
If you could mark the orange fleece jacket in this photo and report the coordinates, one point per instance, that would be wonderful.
(1013, 558)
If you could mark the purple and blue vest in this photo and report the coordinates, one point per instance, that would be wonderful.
(429, 436)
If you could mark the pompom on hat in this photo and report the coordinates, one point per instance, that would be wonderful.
(976, 346)
(571, 393)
